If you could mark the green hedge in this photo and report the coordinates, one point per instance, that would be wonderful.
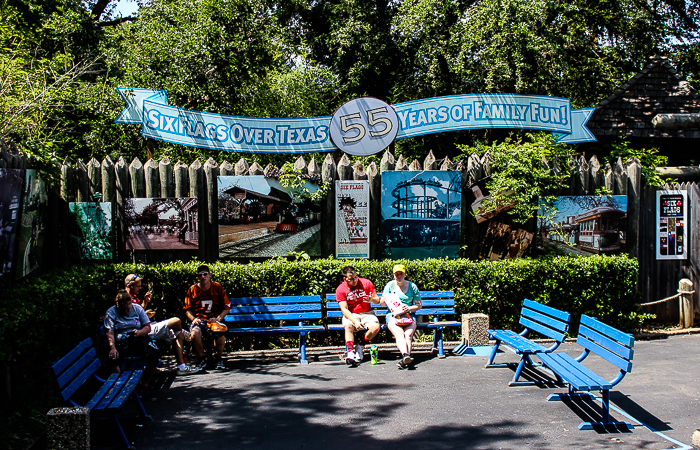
(42, 318)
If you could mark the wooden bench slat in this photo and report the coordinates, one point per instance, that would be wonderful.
(114, 392)
(550, 322)
(77, 367)
(550, 311)
(519, 343)
(543, 330)
(610, 344)
(293, 299)
(604, 353)
(80, 379)
(126, 391)
(275, 308)
(106, 386)
(63, 363)
(624, 338)
(272, 316)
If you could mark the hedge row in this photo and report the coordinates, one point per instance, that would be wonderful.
(44, 317)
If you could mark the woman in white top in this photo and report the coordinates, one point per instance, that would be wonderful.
(409, 294)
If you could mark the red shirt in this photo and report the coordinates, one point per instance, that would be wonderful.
(206, 304)
(357, 297)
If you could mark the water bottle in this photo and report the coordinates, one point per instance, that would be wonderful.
(374, 354)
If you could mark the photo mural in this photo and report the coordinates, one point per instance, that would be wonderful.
(258, 217)
(91, 231)
(33, 223)
(589, 223)
(10, 191)
(162, 224)
(421, 214)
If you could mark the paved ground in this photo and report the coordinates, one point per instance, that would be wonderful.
(453, 403)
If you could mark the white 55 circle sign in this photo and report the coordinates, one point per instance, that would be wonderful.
(364, 126)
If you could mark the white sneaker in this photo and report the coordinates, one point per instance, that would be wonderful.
(351, 359)
(359, 353)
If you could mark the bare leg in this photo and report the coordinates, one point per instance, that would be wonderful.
(220, 342)
(408, 334)
(372, 331)
(197, 341)
(398, 333)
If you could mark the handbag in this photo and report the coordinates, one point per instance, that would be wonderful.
(396, 306)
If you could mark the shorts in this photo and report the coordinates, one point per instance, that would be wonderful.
(365, 318)
(391, 320)
(160, 331)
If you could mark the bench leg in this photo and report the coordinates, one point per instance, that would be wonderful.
(438, 343)
(118, 425)
(605, 416)
(493, 355)
(302, 348)
(139, 405)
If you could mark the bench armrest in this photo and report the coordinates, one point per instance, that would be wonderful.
(583, 356)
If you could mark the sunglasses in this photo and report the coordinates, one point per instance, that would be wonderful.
(203, 274)
(133, 278)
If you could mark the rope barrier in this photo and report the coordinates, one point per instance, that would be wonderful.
(667, 299)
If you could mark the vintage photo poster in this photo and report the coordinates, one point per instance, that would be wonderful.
(504, 242)
(33, 224)
(352, 219)
(91, 232)
(478, 196)
(672, 229)
(421, 214)
(10, 191)
(585, 224)
(258, 217)
(162, 224)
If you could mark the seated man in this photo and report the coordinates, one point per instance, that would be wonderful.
(127, 333)
(354, 296)
(206, 302)
(165, 331)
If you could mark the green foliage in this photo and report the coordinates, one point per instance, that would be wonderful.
(523, 172)
(295, 179)
(648, 157)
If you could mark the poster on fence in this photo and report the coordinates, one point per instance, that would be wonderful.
(672, 229)
(91, 232)
(352, 219)
(584, 224)
(162, 224)
(10, 191)
(503, 241)
(260, 218)
(33, 224)
(421, 214)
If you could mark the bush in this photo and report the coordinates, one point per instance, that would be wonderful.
(42, 318)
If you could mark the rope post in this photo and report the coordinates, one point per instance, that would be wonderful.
(685, 289)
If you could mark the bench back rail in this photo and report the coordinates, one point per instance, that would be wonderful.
(545, 320)
(607, 342)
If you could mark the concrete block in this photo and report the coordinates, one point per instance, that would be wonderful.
(475, 330)
(68, 428)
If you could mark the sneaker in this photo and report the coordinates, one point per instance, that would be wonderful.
(401, 365)
(407, 359)
(359, 352)
(351, 359)
(187, 370)
(200, 363)
(220, 363)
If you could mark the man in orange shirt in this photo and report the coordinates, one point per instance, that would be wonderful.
(206, 303)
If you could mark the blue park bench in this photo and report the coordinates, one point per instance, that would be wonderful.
(75, 371)
(544, 320)
(610, 344)
(262, 315)
(435, 303)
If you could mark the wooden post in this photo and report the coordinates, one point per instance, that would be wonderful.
(167, 185)
(121, 194)
(300, 164)
(595, 178)
(313, 169)
(328, 175)
(255, 169)
(67, 181)
(486, 164)
(152, 179)
(620, 177)
(401, 164)
(634, 198)
(609, 178)
(182, 181)
(271, 171)
(447, 165)
(81, 181)
(138, 184)
(345, 171)
(108, 180)
(211, 232)
(226, 168)
(197, 189)
(685, 288)
(415, 166)
(358, 172)
(474, 170)
(430, 163)
(388, 162)
(581, 177)
(94, 171)
(375, 209)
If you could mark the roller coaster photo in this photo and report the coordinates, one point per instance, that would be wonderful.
(421, 214)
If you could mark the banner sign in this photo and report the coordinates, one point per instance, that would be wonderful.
(362, 126)
(671, 233)
(352, 220)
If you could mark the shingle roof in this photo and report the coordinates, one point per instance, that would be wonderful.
(656, 89)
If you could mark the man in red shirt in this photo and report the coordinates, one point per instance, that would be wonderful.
(354, 296)
(206, 302)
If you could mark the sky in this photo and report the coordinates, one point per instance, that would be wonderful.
(126, 8)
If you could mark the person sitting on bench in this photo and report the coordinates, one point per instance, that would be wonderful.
(354, 296)
(165, 331)
(409, 295)
(206, 303)
(127, 334)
